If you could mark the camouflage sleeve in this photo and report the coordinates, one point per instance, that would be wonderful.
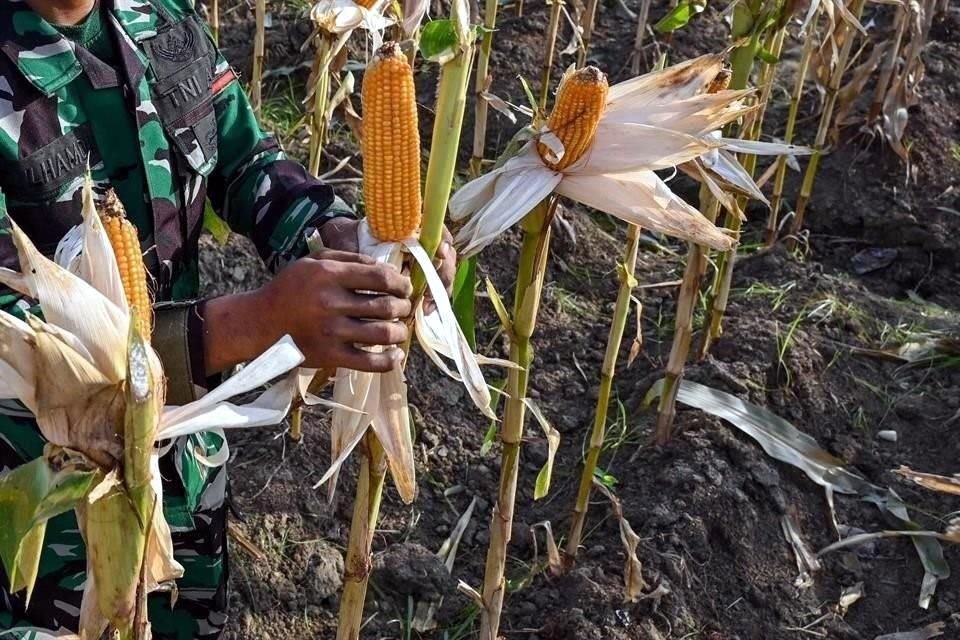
(256, 188)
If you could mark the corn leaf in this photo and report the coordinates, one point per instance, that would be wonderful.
(784, 442)
(502, 314)
(931, 481)
(30, 495)
(439, 41)
(633, 581)
(216, 225)
(678, 17)
(542, 485)
(464, 296)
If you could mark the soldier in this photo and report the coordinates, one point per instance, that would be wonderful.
(138, 89)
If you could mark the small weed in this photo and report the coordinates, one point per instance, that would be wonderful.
(955, 151)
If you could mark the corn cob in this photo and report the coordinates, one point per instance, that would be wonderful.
(391, 147)
(126, 246)
(576, 113)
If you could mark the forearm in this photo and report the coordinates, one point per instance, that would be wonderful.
(235, 330)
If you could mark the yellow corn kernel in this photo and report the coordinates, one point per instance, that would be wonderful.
(391, 146)
(126, 247)
(576, 113)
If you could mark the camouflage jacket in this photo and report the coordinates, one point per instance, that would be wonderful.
(168, 126)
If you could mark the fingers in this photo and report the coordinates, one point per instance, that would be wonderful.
(337, 255)
(359, 360)
(373, 277)
(379, 307)
(379, 332)
(448, 264)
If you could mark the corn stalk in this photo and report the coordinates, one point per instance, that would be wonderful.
(642, 18)
(749, 20)
(848, 35)
(326, 50)
(627, 280)
(889, 66)
(359, 563)
(683, 325)
(526, 304)
(770, 233)
(259, 44)
(448, 122)
(589, 19)
(215, 20)
(556, 7)
(484, 80)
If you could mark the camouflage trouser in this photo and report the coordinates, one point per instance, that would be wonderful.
(195, 506)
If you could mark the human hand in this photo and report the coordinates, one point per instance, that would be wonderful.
(341, 234)
(317, 301)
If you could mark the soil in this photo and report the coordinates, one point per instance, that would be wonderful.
(708, 506)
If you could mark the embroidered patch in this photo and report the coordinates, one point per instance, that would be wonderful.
(176, 45)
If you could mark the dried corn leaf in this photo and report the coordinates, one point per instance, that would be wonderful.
(632, 568)
(931, 481)
(554, 561)
(849, 597)
(784, 442)
(849, 93)
(807, 562)
(424, 618)
(932, 630)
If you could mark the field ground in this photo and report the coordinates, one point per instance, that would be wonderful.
(880, 270)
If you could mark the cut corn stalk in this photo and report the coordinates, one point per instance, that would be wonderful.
(683, 326)
(96, 389)
(826, 118)
(259, 50)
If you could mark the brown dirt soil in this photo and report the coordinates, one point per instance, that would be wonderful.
(708, 505)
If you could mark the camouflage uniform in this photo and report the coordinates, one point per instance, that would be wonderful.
(165, 122)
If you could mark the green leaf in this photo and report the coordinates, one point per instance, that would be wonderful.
(502, 314)
(534, 105)
(30, 495)
(606, 479)
(678, 17)
(464, 296)
(767, 56)
(216, 225)
(439, 41)
(542, 486)
(491, 435)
